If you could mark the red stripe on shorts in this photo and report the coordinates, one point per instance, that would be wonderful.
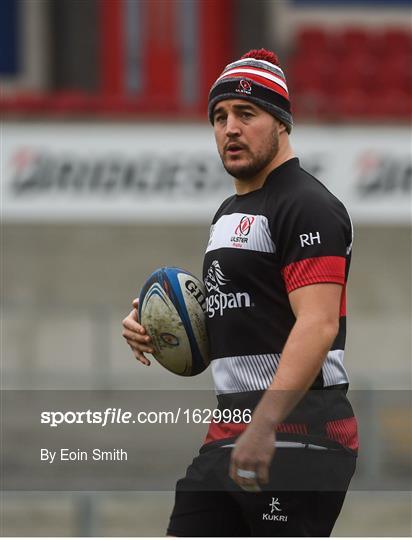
(344, 431)
(226, 430)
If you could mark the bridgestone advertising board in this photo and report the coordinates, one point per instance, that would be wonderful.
(163, 172)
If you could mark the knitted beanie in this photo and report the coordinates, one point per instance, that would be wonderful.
(258, 78)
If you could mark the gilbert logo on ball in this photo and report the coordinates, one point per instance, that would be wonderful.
(172, 305)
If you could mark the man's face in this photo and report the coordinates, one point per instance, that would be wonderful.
(247, 137)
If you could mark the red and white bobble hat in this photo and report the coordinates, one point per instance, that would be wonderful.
(258, 78)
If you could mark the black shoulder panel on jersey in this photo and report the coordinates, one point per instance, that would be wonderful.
(222, 207)
(306, 220)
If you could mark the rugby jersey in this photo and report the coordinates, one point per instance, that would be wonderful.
(290, 233)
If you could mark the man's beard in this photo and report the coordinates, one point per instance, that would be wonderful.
(257, 162)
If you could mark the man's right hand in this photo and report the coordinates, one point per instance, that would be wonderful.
(136, 336)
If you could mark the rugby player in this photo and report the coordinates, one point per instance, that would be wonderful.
(281, 245)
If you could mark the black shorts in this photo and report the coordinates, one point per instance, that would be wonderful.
(304, 496)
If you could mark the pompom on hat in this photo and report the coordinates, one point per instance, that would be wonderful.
(258, 78)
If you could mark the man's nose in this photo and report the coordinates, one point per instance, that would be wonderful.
(232, 125)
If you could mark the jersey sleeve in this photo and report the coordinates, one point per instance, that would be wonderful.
(313, 239)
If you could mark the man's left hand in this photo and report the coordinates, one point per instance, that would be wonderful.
(252, 456)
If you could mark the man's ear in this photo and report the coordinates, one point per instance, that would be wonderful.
(282, 128)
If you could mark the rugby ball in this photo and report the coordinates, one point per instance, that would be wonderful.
(172, 305)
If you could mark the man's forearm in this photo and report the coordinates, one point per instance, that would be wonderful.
(302, 358)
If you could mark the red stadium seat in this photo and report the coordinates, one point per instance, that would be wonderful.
(72, 102)
(354, 39)
(391, 104)
(393, 69)
(24, 103)
(312, 38)
(353, 71)
(352, 104)
(313, 103)
(341, 76)
(396, 39)
(310, 71)
(398, 77)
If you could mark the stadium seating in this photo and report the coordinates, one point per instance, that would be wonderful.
(340, 74)
(337, 74)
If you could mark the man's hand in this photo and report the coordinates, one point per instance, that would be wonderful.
(316, 308)
(252, 456)
(136, 336)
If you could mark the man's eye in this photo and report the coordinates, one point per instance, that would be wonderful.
(219, 118)
(247, 115)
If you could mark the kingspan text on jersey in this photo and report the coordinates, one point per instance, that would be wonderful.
(217, 303)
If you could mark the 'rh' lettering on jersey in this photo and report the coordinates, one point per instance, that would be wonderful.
(309, 239)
